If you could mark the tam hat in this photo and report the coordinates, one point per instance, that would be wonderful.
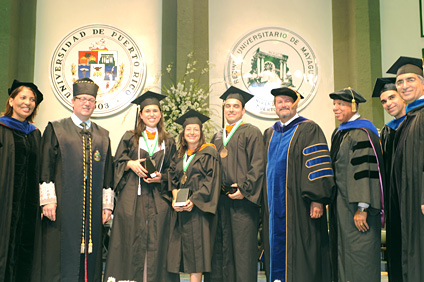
(85, 86)
(32, 86)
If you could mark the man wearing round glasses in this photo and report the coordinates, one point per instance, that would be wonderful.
(76, 174)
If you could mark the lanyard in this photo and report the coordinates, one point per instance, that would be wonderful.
(225, 138)
(187, 163)
(147, 145)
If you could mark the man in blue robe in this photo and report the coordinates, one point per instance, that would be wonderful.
(299, 183)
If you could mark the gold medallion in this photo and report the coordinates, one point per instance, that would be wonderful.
(224, 153)
(184, 178)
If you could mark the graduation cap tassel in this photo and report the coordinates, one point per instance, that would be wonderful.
(297, 100)
(223, 114)
(136, 119)
(353, 101)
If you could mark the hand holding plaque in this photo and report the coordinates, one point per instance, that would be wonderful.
(151, 169)
(182, 197)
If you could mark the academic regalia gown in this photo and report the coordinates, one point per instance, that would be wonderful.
(359, 174)
(236, 259)
(193, 233)
(298, 172)
(391, 205)
(408, 181)
(141, 222)
(62, 164)
(19, 204)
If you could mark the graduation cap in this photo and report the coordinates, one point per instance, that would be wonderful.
(383, 84)
(32, 86)
(236, 93)
(148, 98)
(348, 95)
(192, 117)
(407, 65)
(85, 86)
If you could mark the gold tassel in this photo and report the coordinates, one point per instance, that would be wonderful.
(82, 247)
(297, 100)
(90, 247)
(353, 101)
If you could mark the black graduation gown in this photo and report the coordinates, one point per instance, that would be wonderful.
(307, 242)
(19, 204)
(62, 164)
(236, 259)
(408, 180)
(356, 254)
(193, 233)
(141, 223)
(391, 210)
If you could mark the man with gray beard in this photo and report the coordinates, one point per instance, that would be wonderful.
(299, 183)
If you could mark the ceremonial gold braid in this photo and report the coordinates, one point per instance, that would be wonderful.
(90, 244)
(83, 201)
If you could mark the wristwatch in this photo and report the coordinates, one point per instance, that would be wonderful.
(362, 209)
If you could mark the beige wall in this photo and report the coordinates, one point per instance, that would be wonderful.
(230, 20)
(400, 32)
(141, 20)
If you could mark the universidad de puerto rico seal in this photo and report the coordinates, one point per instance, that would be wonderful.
(268, 58)
(107, 55)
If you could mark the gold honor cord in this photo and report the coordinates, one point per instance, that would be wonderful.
(90, 244)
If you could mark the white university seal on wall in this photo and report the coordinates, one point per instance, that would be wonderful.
(108, 56)
(268, 58)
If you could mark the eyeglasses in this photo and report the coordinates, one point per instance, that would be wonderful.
(85, 100)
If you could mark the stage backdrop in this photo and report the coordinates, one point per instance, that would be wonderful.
(269, 42)
(137, 22)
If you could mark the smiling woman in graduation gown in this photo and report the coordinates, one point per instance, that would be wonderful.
(140, 231)
(194, 226)
(19, 209)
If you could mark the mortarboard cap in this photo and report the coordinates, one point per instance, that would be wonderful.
(85, 86)
(17, 83)
(407, 65)
(192, 117)
(383, 84)
(348, 95)
(148, 98)
(236, 93)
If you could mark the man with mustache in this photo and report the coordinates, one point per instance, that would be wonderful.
(299, 183)
(355, 215)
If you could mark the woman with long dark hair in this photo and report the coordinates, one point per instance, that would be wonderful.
(19, 206)
(140, 232)
(196, 169)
